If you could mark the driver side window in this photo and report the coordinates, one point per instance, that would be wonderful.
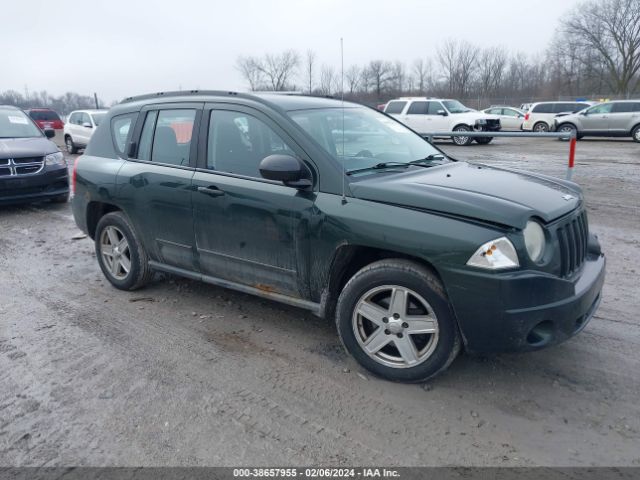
(604, 108)
(238, 142)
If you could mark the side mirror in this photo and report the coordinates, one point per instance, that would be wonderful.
(286, 169)
(442, 112)
(49, 132)
(87, 125)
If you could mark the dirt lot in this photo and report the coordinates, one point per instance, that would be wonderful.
(183, 373)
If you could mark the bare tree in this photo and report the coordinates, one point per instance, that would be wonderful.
(458, 61)
(491, 67)
(399, 76)
(379, 74)
(353, 76)
(249, 68)
(327, 80)
(421, 73)
(612, 29)
(310, 62)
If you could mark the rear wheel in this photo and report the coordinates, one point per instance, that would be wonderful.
(462, 141)
(120, 253)
(541, 127)
(635, 134)
(394, 318)
(70, 146)
(484, 140)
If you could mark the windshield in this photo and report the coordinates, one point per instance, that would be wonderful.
(370, 138)
(455, 106)
(15, 124)
(97, 118)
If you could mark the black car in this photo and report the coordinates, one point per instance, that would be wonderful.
(413, 254)
(32, 167)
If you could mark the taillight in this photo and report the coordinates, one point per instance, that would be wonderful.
(526, 116)
(73, 176)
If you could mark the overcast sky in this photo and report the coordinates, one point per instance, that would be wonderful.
(120, 48)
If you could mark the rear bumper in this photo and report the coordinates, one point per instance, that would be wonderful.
(522, 311)
(51, 182)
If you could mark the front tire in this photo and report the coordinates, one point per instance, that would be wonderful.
(70, 146)
(635, 134)
(462, 141)
(568, 128)
(394, 318)
(484, 140)
(121, 255)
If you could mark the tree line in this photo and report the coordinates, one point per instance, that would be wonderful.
(63, 104)
(595, 52)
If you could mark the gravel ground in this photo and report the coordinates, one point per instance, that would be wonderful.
(183, 373)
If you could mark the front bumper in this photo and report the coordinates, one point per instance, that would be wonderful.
(52, 181)
(523, 310)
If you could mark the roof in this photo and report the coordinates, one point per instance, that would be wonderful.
(11, 107)
(284, 101)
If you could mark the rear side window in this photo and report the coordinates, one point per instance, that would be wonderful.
(543, 108)
(395, 107)
(121, 128)
(626, 107)
(418, 108)
(166, 136)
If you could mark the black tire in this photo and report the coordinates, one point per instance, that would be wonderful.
(635, 134)
(139, 273)
(462, 141)
(70, 146)
(541, 127)
(484, 140)
(567, 128)
(408, 275)
(64, 198)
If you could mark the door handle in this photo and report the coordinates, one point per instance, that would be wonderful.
(211, 190)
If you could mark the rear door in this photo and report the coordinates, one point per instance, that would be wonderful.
(249, 230)
(156, 183)
(623, 117)
(416, 116)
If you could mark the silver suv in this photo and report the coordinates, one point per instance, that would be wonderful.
(611, 119)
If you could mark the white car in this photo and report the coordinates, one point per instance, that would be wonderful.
(541, 115)
(428, 115)
(511, 118)
(79, 128)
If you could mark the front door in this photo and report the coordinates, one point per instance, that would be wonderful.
(248, 230)
(596, 119)
(156, 184)
(437, 118)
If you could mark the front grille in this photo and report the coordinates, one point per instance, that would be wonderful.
(492, 125)
(572, 237)
(11, 167)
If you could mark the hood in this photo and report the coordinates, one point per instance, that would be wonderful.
(26, 147)
(506, 197)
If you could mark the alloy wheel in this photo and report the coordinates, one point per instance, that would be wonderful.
(395, 326)
(115, 252)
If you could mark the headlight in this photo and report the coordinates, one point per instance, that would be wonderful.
(55, 159)
(534, 240)
(495, 255)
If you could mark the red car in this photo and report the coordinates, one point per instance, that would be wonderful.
(45, 118)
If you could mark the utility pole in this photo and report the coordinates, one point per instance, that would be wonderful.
(95, 97)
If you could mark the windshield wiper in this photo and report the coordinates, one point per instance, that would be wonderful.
(420, 163)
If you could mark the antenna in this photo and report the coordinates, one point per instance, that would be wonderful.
(344, 170)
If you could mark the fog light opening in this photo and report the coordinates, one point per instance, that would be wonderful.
(541, 334)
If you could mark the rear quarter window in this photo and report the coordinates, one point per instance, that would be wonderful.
(395, 107)
(121, 130)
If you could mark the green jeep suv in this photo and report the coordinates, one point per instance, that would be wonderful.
(341, 210)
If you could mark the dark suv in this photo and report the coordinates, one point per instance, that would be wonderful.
(31, 166)
(341, 210)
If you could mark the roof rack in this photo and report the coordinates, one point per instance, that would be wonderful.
(178, 93)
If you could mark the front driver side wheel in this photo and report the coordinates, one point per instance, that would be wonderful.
(394, 318)
(635, 134)
(121, 255)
